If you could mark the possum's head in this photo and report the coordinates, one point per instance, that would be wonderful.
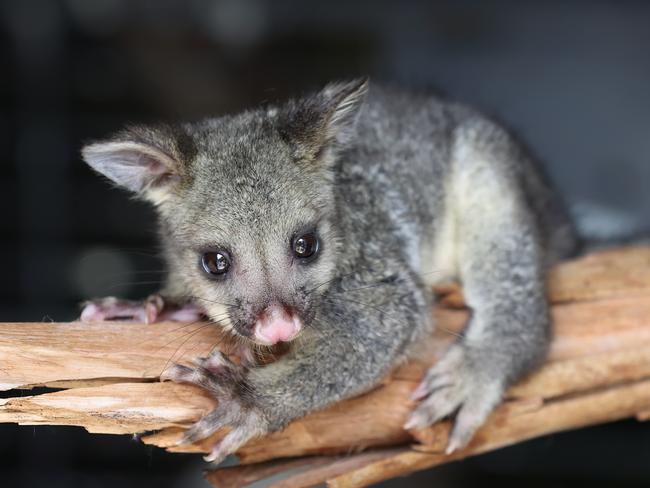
(246, 205)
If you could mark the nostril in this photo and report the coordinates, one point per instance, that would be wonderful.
(277, 323)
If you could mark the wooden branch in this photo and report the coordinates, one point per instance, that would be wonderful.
(598, 370)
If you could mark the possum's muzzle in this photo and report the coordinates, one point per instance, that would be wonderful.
(277, 323)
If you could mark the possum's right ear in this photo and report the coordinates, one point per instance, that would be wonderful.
(324, 122)
(340, 104)
(149, 166)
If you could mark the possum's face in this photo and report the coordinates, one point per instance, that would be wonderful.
(253, 236)
(246, 206)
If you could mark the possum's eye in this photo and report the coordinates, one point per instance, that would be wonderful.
(306, 246)
(215, 263)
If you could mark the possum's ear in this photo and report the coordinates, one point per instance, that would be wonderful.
(341, 104)
(144, 161)
(322, 123)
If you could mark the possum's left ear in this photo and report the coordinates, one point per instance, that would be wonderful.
(325, 120)
(145, 161)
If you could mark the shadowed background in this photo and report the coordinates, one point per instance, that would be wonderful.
(572, 78)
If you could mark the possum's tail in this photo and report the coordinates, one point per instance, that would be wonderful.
(602, 227)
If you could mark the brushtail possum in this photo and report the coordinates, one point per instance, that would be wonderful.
(323, 222)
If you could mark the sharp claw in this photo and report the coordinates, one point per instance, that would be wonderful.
(420, 392)
(414, 422)
(215, 456)
(208, 458)
(150, 313)
(452, 446)
(459, 438)
(89, 312)
(175, 373)
(152, 308)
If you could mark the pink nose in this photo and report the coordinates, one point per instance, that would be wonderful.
(275, 325)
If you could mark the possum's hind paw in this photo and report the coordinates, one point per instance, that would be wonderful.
(226, 382)
(153, 309)
(455, 385)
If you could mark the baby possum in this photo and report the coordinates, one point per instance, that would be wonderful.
(323, 222)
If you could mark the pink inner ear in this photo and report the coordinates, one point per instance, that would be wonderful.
(133, 165)
(154, 167)
(161, 174)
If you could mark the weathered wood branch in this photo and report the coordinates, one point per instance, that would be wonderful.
(598, 370)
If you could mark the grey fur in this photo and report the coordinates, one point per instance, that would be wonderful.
(405, 190)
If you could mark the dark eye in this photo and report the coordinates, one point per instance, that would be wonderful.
(215, 263)
(306, 246)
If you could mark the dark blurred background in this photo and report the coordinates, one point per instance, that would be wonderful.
(573, 78)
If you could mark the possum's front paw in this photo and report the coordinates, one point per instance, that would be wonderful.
(236, 409)
(153, 309)
(458, 383)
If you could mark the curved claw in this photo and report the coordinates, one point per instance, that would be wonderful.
(178, 374)
(153, 307)
(452, 386)
(472, 415)
(226, 381)
(435, 407)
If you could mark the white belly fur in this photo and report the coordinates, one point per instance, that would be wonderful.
(439, 250)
